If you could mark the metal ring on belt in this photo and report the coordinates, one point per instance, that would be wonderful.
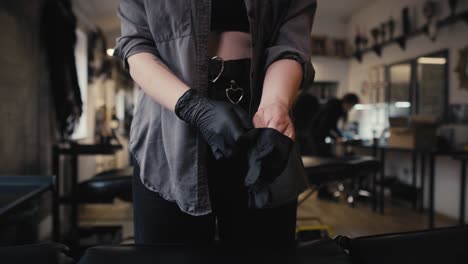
(222, 68)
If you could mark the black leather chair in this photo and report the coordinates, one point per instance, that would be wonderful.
(317, 252)
(361, 167)
(46, 253)
(322, 170)
(444, 245)
(106, 186)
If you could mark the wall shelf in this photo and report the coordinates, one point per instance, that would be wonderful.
(402, 39)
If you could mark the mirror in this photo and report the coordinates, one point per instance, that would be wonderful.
(419, 86)
(432, 85)
(399, 95)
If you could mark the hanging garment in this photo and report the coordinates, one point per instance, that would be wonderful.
(275, 173)
(58, 27)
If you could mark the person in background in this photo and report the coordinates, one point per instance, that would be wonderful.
(325, 125)
(303, 112)
(325, 122)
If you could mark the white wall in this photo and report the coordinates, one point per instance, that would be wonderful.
(327, 68)
(333, 70)
(452, 38)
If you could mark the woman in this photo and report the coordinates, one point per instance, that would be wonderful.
(192, 110)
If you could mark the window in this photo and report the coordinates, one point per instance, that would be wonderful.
(419, 86)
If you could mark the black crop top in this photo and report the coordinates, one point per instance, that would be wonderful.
(229, 15)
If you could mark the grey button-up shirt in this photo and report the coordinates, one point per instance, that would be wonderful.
(170, 153)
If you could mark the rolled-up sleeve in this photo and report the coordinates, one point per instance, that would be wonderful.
(293, 39)
(135, 32)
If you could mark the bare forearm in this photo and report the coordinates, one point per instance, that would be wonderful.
(282, 81)
(156, 80)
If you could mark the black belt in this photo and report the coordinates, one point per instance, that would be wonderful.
(219, 68)
(228, 75)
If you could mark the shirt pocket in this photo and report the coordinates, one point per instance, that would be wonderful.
(168, 19)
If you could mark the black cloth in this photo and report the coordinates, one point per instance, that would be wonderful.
(229, 16)
(59, 24)
(267, 156)
(275, 174)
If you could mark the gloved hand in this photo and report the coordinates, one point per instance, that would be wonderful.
(220, 123)
(275, 174)
(267, 153)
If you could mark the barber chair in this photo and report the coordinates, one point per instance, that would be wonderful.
(104, 188)
(107, 186)
(361, 168)
(321, 171)
(444, 245)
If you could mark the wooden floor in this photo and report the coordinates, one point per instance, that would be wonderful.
(361, 220)
(343, 219)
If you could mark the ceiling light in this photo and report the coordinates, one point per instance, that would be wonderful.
(110, 52)
(402, 104)
(363, 106)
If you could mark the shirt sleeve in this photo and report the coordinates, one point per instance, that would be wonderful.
(293, 38)
(135, 32)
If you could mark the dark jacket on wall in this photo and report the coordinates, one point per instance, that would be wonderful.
(59, 25)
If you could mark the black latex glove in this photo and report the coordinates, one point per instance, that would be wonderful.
(267, 152)
(220, 123)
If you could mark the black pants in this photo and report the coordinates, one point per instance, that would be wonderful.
(159, 221)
